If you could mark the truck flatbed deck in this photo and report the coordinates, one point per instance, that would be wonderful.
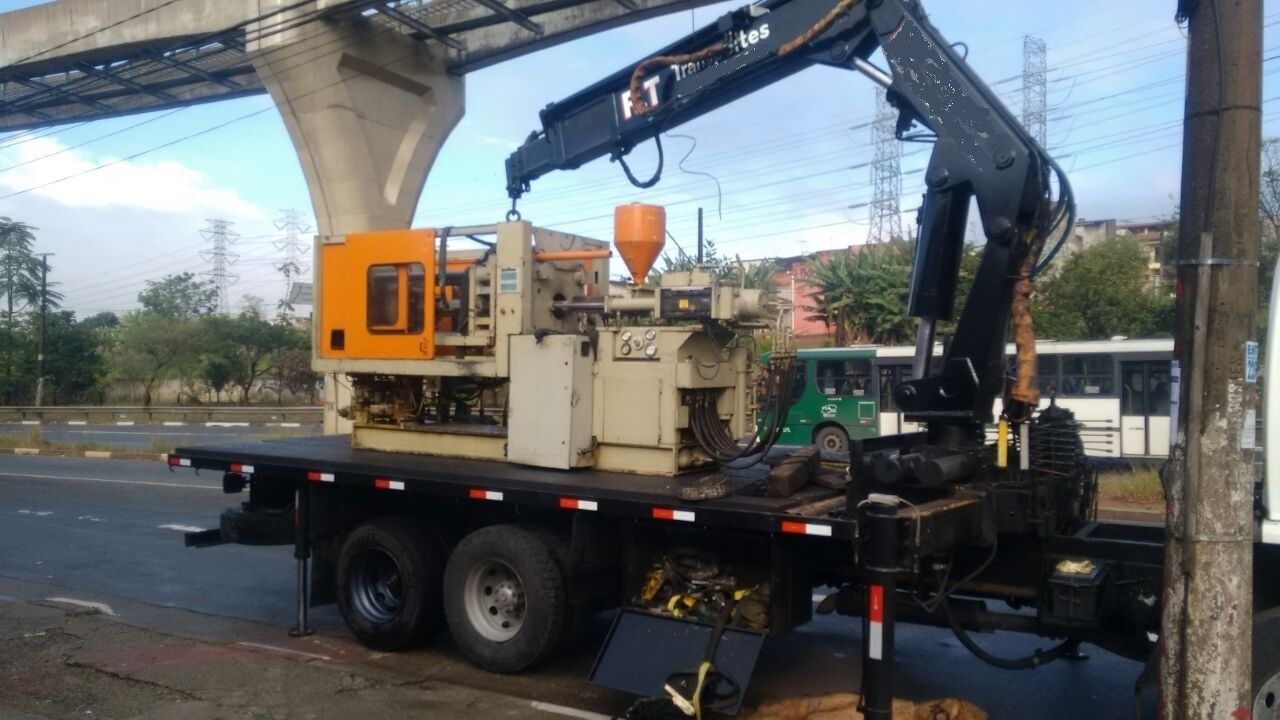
(813, 511)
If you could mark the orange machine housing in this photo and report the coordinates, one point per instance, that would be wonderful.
(377, 296)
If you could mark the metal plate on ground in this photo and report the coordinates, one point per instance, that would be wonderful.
(642, 650)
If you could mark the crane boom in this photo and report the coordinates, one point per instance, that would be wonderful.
(980, 153)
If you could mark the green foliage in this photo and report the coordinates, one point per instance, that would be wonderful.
(181, 296)
(1102, 291)
(152, 347)
(249, 346)
(862, 295)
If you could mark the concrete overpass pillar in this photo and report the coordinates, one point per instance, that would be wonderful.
(367, 108)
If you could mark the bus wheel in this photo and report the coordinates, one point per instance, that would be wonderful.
(1266, 665)
(389, 578)
(505, 598)
(832, 439)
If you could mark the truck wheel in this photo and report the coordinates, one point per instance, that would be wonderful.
(1266, 665)
(832, 439)
(505, 598)
(389, 580)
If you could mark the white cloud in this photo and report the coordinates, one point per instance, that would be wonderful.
(158, 186)
(111, 230)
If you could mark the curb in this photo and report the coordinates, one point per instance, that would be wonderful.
(93, 454)
(1130, 514)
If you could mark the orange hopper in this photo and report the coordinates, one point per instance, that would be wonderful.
(639, 233)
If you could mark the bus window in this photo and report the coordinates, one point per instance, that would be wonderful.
(1047, 374)
(802, 378)
(1158, 381)
(1133, 389)
(1088, 375)
(890, 376)
(844, 378)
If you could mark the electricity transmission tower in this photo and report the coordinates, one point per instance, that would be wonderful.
(290, 222)
(220, 235)
(886, 174)
(1035, 64)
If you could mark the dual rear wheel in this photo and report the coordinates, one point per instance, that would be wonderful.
(502, 591)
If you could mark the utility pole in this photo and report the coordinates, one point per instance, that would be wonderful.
(1207, 622)
(44, 318)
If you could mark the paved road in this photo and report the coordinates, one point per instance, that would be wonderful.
(153, 437)
(104, 530)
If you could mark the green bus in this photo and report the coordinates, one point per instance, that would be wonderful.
(835, 398)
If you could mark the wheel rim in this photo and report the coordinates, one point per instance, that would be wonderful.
(377, 587)
(495, 600)
(832, 442)
(1266, 703)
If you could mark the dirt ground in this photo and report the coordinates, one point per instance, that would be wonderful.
(69, 662)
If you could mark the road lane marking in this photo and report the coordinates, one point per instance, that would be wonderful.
(182, 528)
(173, 423)
(130, 432)
(77, 422)
(226, 424)
(568, 711)
(103, 608)
(274, 648)
(124, 422)
(108, 480)
(40, 513)
(30, 422)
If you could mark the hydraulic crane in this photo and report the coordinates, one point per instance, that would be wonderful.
(980, 152)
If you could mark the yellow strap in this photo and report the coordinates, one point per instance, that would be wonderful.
(1002, 444)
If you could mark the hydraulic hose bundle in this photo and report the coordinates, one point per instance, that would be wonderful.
(714, 438)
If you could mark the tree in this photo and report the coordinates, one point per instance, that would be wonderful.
(249, 345)
(216, 373)
(862, 295)
(73, 364)
(20, 271)
(103, 320)
(1101, 292)
(293, 368)
(151, 347)
(181, 296)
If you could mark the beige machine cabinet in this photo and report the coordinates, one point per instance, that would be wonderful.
(550, 401)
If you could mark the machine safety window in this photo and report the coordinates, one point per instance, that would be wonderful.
(397, 298)
(844, 378)
(1088, 376)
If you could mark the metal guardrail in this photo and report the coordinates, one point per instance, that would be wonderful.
(105, 414)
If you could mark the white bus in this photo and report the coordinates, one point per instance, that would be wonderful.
(1118, 390)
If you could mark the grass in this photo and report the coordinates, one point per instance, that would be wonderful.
(1139, 485)
(36, 439)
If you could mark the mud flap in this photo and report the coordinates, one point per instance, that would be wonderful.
(643, 650)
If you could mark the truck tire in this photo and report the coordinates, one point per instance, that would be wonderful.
(389, 579)
(832, 439)
(505, 598)
(1266, 665)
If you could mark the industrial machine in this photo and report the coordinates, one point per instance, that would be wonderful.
(515, 349)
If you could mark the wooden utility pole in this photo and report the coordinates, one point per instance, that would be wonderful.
(1207, 622)
(44, 317)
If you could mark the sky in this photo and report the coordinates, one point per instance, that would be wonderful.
(781, 172)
